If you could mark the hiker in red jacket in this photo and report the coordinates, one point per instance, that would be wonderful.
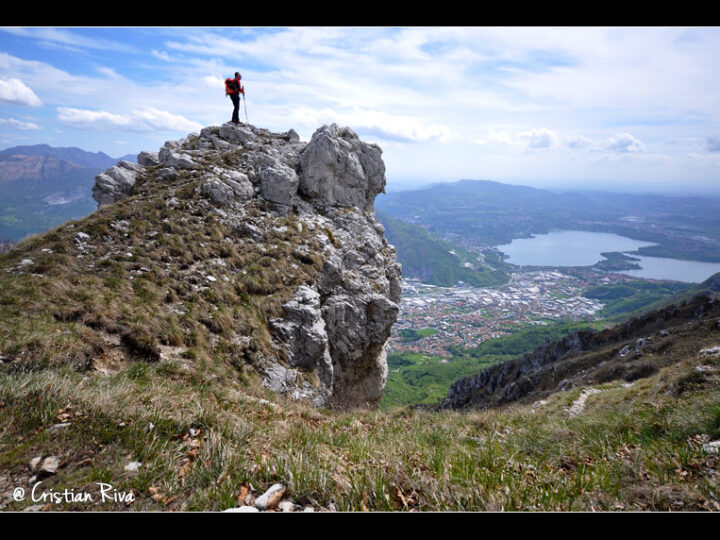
(233, 88)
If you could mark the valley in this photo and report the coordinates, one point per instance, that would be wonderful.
(444, 333)
(492, 271)
(465, 316)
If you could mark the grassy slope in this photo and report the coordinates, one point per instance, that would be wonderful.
(632, 448)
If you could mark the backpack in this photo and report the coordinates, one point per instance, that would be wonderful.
(231, 87)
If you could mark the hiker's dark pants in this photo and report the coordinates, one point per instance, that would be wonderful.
(236, 104)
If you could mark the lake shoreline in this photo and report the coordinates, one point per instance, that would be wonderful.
(560, 249)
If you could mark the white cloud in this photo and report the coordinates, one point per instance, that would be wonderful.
(579, 142)
(566, 97)
(495, 136)
(110, 73)
(67, 38)
(92, 119)
(15, 92)
(146, 120)
(25, 126)
(161, 55)
(154, 119)
(214, 81)
(376, 124)
(623, 142)
(539, 138)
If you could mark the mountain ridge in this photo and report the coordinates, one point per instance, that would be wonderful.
(82, 158)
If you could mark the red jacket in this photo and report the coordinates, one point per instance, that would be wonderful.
(236, 80)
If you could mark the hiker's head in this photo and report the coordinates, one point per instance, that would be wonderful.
(237, 75)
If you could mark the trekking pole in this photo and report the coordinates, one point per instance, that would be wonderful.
(245, 106)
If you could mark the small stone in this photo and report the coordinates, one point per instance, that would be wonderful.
(270, 498)
(712, 447)
(133, 466)
(56, 427)
(26, 262)
(287, 505)
(34, 462)
(50, 465)
(703, 368)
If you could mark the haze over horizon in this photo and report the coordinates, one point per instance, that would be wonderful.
(618, 108)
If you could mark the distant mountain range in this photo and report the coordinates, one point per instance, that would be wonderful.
(76, 156)
(43, 186)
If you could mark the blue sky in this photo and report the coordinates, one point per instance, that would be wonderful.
(582, 107)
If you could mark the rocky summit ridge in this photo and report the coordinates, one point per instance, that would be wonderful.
(336, 327)
(248, 244)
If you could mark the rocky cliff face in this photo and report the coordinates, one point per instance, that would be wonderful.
(313, 204)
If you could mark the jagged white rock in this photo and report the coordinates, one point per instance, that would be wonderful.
(339, 168)
(115, 183)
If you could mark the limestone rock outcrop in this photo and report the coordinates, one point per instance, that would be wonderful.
(332, 332)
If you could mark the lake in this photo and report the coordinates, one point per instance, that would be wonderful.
(583, 248)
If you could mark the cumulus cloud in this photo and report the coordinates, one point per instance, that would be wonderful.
(539, 138)
(155, 119)
(93, 119)
(16, 92)
(147, 120)
(623, 142)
